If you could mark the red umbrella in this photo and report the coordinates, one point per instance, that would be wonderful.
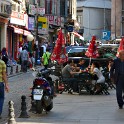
(92, 51)
(121, 46)
(59, 52)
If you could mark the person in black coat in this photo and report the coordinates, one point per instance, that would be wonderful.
(117, 74)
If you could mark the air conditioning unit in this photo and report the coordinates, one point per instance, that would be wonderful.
(5, 9)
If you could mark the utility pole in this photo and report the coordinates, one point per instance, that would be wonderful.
(115, 19)
(36, 33)
(104, 15)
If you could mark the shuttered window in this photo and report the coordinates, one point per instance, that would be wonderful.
(62, 7)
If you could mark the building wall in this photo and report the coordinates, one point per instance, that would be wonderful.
(5, 10)
(93, 22)
(73, 9)
(80, 16)
(116, 12)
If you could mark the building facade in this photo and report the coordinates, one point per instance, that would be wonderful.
(5, 11)
(117, 19)
(94, 17)
(17, 28)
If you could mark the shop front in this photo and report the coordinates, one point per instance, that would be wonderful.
(0, 36)
(3, 25)
(16, 34)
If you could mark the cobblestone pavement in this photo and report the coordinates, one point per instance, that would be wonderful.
(68, 109)
(19, 85)
(80, 109)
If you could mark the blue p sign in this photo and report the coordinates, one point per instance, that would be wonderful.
(106, 35)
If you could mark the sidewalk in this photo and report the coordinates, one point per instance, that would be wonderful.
(14, 70)
(79, 109)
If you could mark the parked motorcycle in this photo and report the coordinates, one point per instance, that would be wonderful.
(42, 92)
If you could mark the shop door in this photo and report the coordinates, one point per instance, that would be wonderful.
(0, 37)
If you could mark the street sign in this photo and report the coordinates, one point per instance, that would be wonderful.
(70, 28)
(106, 35)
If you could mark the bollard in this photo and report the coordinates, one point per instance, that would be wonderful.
(11, 70)
(11, 119)
(17, 69)
(24, 113)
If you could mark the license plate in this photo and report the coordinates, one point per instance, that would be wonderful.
(37, 94)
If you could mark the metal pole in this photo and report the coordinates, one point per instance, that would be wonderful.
(115, 19)
(104, 16)
(36, 19)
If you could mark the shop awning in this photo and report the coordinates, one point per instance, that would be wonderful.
(18, 30)
(78, 35)
(26, 33)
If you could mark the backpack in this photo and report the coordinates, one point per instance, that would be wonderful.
(48, 58)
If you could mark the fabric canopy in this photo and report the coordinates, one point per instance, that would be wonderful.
(121, 46)
(78, 35)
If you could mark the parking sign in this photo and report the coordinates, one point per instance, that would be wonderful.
(106, 35)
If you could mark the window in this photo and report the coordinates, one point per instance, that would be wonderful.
(62, 8)
(79, 19)
(2, 7)
(48, 6)
(14, 7)
(18, 8)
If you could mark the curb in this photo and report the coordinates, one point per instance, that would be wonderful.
(19, 73)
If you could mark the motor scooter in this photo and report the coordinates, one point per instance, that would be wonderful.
(42, 92)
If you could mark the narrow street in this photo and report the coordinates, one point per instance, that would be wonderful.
(19, 85)
(68, 109)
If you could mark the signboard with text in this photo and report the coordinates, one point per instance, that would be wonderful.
(31, 23)
(33, 10)
(17, 18)
(54, 20)
(42, 25)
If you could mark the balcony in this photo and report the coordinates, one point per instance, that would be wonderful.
(5, 8)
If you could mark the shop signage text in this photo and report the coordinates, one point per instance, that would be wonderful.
(31, 23)
(42, 25)
(33, 10)
(17, 18)
(55, 20)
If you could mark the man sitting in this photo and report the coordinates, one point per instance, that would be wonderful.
(80, 65)
(68, 75)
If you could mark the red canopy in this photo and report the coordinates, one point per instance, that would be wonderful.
(121, 46)
(92, 51)
(59, 52)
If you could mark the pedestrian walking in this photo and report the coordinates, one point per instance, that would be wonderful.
(46, 58)
(3, 84)
(32, 60)
(4, 56)
(117, 74)
(24, 59)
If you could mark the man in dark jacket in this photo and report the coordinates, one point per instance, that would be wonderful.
(117, 73)
(68, 75)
